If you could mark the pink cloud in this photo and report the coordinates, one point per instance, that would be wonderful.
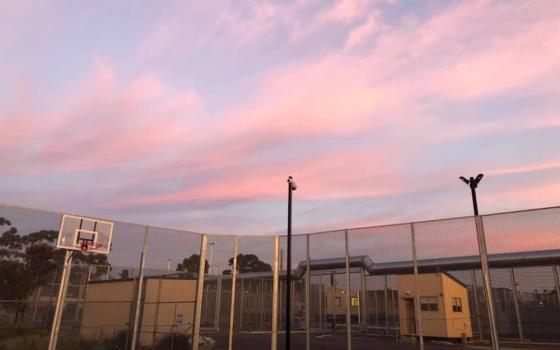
(526, 168)
(534, 194)
(384, 92)
(105, 122)
(321, 176)
(450, 57)
(324, 97)
(343, 11)
(188, 27)
(343, 93)
(346, 94)
(363, 31)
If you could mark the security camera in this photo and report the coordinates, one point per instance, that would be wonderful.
(293, 185)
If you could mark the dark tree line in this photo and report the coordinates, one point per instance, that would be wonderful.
(28, 262)
(246, 263)
(191, 264)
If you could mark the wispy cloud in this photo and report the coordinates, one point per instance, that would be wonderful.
(360, 100)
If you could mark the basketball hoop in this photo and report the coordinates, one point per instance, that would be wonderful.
(85, 234)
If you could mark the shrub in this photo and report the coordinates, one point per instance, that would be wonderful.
(31, 342)
(173, 342)
(40, 341)
(117, 342)
(74, 341)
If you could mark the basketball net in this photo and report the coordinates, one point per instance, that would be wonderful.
(88, 245)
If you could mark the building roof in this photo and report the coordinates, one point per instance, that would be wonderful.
(533, 258)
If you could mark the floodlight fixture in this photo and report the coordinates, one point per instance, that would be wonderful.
(479, 177)
(473, 182)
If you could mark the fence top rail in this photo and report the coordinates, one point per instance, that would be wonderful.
(340, 230)
(47, 211)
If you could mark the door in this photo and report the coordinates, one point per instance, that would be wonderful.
(409, 319)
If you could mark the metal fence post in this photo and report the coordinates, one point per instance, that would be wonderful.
(199, 292)
(333, 299)
(140, 290)
(386, 308)
(206, 301)
(292, 303)
(307, 297)
(321, 301)
(218, 303)
(398, 312)
(55, 329)
(241, 302)
(363, 299)
(348, 303)
(156, 312)
(280, 299)
(262, 296)
(486, 280)
(274, 337)
(376, 307)
(418, 311)
(476, 309)
(556, 282)
(232, 297)
(516, 305)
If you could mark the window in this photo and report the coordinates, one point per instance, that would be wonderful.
(429, 303)
(457, 304)
(337, 301)
(355, 302)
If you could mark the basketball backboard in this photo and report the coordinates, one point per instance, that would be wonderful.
(86, 234)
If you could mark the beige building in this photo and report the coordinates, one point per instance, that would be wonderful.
(337, 305)
(169, 301)
(168, 307)
(444, 306)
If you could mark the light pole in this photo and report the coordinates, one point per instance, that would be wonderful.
(473, 182)
(212, 244)
(291, 187)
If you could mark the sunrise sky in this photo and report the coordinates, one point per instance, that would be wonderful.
(191, 114)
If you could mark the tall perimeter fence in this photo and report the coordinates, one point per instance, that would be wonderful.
(161, 288)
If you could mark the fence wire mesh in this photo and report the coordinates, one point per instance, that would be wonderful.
(361, 282)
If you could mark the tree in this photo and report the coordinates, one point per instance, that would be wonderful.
(250, 263)
(28, 262)
(191, 264)
(124, 274)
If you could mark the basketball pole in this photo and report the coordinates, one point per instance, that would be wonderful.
(55, 328)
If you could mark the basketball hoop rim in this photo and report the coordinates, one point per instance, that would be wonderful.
(89, 246)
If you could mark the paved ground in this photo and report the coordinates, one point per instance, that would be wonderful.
(359, 342)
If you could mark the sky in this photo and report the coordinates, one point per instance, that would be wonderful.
(192, 114)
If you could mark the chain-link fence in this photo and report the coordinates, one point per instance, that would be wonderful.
(169, 289)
